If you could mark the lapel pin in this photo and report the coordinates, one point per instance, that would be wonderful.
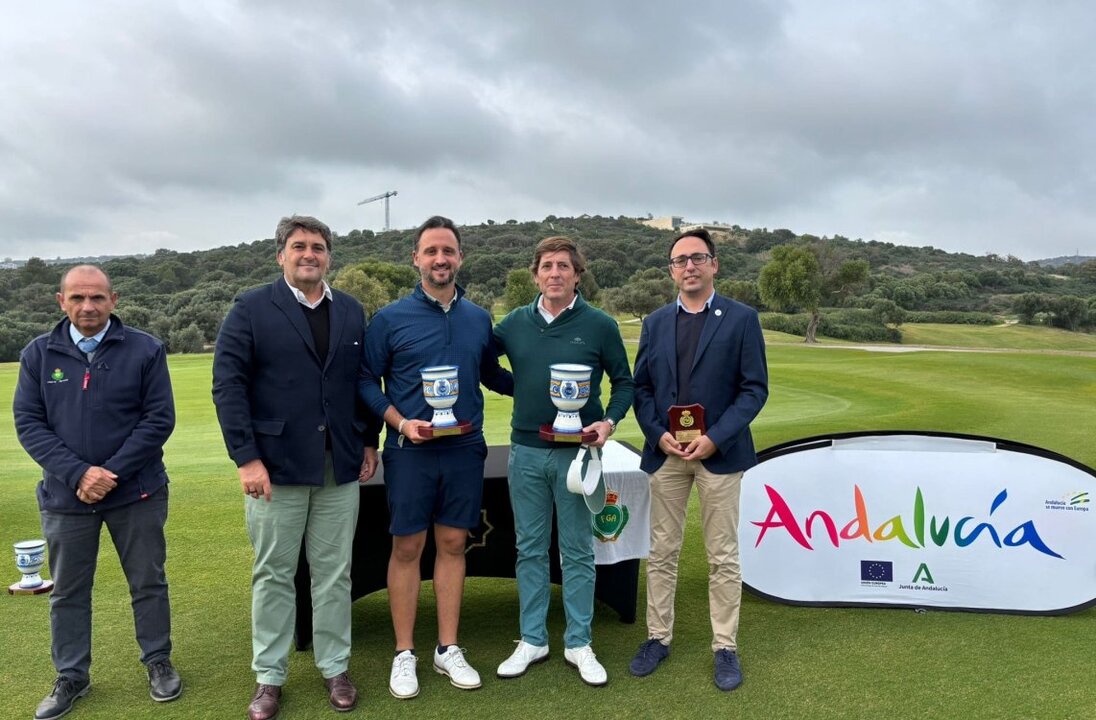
(718, 312)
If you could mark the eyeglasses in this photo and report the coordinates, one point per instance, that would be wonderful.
(698, 259)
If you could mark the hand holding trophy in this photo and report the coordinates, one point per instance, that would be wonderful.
(687, 423)
(441, 388)
(569, 388)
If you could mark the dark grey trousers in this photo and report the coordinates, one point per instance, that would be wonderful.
(137, 530)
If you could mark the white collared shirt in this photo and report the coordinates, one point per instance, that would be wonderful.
(445, 307)
(707, 304)
(77, 337)
(548, 316)
(304, 301)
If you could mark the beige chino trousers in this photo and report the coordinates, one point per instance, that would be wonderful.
(671, 486)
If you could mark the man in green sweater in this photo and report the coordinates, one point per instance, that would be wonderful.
(558, 327)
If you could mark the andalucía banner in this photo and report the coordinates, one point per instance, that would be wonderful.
(920, 520)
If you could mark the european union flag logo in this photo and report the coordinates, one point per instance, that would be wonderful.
(877, 570)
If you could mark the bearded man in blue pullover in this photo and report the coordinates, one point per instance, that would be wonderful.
(431, 480)
(94, 408)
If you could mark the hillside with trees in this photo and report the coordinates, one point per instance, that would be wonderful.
(833, 286)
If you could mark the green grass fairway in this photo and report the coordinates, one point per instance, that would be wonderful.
(798, 662)
(1025, 337)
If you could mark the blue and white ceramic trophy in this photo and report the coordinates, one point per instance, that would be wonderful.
(441, 389)
(569, 389)
(30, 556)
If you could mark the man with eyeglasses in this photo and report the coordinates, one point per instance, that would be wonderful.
(701, 349)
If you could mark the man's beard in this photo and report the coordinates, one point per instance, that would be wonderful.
(440, 285)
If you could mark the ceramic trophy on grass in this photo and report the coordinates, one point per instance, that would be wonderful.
(30, 556)
(569, 388)
(441, 388)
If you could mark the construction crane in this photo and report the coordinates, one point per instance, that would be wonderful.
(382, 196)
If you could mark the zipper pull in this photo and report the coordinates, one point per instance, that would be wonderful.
(87, 377)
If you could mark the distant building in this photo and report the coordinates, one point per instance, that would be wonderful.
(710, 227)
(677, 223)
(672, 222)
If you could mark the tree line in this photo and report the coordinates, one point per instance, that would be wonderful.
(829, 285)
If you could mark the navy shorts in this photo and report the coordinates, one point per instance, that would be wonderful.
(428, 486)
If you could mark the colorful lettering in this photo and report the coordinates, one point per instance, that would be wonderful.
(781, 517)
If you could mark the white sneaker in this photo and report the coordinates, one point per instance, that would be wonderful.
(453, 664)
(589, 669)
(403, 683)
(524, 656)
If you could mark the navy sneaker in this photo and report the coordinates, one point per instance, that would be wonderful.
(647, 658)
(60, 699)
(728, 673)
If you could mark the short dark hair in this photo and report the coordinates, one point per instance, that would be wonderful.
(559, 244)
(700, 233)
(434, 223)
(289, 225)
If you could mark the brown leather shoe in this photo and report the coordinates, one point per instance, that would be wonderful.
(341, 692)
(264, 705)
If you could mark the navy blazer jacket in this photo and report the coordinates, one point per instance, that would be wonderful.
(277, 400)
(729, 378)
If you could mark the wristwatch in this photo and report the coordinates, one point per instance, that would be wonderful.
(612, 424)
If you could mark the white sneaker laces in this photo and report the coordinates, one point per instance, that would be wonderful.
(405, 665)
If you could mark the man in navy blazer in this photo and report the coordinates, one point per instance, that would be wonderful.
(701, 349)
(285, 377)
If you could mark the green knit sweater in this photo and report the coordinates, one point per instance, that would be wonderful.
(583, 335)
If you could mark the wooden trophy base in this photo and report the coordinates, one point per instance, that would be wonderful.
(462, 428)
(547, 433)
(45, 587)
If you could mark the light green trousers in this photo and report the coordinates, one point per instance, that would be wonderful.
(325, 517)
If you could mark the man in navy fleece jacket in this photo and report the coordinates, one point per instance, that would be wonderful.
(94, 408)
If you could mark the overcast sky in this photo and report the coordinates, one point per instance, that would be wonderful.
(132, 126)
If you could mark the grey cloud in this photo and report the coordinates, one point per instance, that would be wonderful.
(955, 126)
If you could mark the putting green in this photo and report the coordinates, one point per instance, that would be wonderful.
(788, 404)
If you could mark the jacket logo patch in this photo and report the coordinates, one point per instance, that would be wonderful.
(57, 376)
(578, 341)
